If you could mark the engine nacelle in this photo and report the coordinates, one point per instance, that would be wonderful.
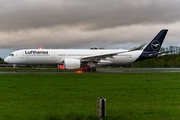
(71, 63)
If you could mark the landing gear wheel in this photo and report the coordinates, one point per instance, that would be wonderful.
(94, 69)
(15, 70)
(89, 69)
(84, 69)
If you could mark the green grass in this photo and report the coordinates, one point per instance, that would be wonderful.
(129, 96)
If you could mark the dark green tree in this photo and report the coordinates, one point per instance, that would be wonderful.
(177, 62)
(160, 63)
(170, 63)
(1, 61)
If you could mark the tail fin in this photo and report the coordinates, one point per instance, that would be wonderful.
(151, 50)
(156, 43)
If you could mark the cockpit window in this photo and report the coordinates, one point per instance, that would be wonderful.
(11, 54)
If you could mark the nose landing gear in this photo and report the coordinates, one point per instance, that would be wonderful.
(15, 69)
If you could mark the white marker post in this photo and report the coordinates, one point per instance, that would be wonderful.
(101, 107)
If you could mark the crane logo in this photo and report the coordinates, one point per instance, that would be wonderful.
(155, 45)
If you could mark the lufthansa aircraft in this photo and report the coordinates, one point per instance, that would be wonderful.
(87, 59)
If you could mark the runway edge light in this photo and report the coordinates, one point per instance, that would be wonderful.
(101, 108)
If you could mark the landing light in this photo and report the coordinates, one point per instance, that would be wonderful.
(79, 71)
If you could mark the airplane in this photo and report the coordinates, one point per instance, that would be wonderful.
(87, 59)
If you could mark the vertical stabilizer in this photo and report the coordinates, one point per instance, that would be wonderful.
(151, 50)
(156, 43)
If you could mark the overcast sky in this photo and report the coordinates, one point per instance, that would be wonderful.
(86, 23)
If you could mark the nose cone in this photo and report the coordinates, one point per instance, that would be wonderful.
(6, 60)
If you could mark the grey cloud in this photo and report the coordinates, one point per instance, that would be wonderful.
(89, 15)
(76, 38)
(86, 23)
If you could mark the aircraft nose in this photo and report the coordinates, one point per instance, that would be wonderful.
(6, 60)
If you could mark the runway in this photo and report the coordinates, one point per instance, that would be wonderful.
(142, 70)
(100, 70)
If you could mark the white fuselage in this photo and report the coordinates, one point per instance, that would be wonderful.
(55, 56)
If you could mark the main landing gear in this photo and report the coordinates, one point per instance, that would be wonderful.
(88, 69)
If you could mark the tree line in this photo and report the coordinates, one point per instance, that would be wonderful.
(167, 61)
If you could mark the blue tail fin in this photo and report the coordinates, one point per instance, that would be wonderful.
(151, 50)
(156, 43)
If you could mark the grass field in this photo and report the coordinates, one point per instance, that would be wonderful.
(130, 96)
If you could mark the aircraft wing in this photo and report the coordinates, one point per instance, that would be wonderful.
(102, 56)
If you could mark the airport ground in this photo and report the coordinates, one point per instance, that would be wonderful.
(23, 70)
(53, 96)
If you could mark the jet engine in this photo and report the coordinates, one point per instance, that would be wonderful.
(70, 64)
